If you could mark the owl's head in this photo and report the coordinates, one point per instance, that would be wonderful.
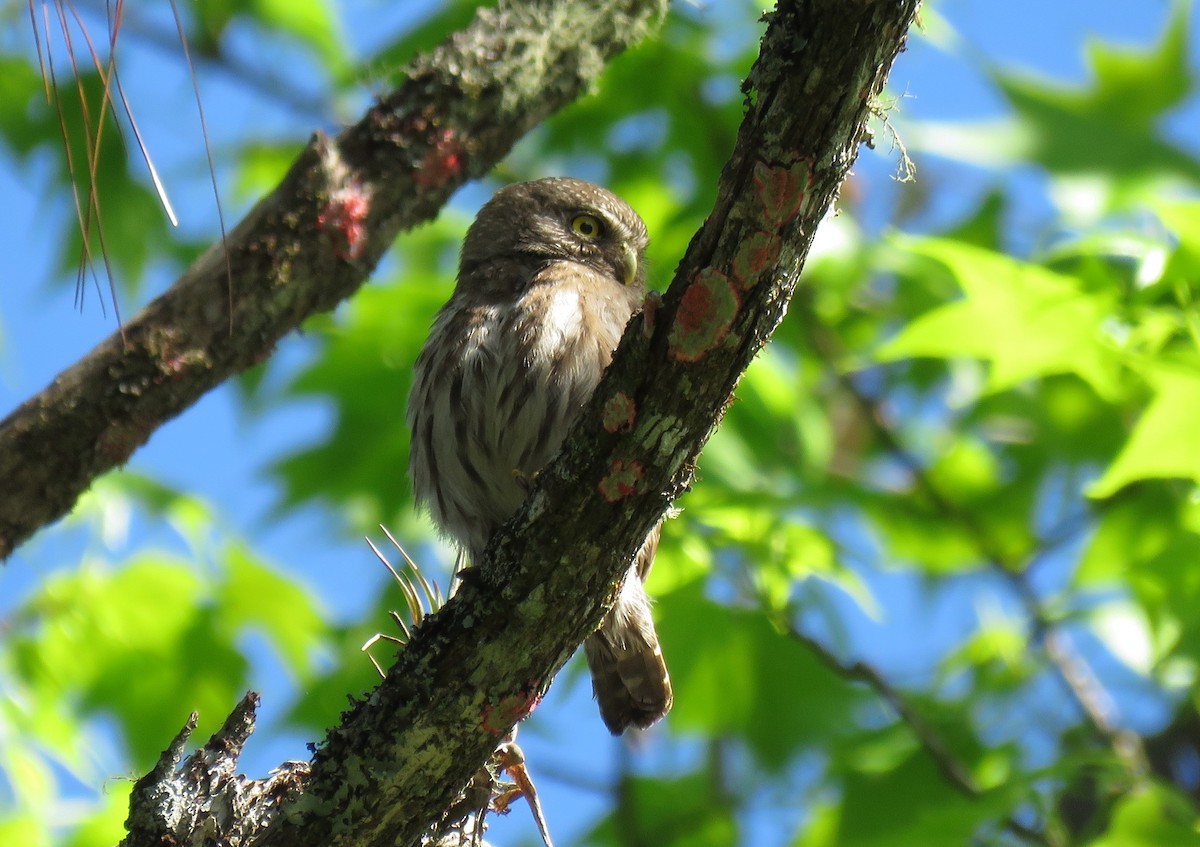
(559, 219)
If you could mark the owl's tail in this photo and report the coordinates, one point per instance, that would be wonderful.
(629, 675)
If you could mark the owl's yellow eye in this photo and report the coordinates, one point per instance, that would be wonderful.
(589, 226)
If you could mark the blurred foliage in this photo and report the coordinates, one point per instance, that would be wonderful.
(936, 582)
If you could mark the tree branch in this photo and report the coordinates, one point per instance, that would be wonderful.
(1070, 668)
(277, 88)
(208, 794)
(954, 771)
(309, 244)
(481, 663)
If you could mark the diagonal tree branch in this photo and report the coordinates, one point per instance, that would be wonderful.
(481, 663)
(478, 666)
(310, 243)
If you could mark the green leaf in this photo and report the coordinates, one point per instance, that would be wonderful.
(1167, 588)
(106, 825)
(684, 556)
(1026, 321)
(1164, 442)
(1106, 132)
(685, 810)
(1101, 144)
(912, 804)
(20, 93)
(1133, 86)
(24, 829)
(1131, 531)
(1122, 627)
(734, 673)
(771, 429)
(984, 228)
(27, 772)
(965, 470)
(913, 532)
(311, 21)
(1182, 217)
(262, 165)
(777, 548)
(138, 643)
(1000, 644)
(254, 596)
(211, 20)
(1110, 127)
(1151, 817)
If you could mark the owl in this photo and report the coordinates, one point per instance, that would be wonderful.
(550, 273)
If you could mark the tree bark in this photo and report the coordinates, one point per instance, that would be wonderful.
(310, 243)
(474, 669)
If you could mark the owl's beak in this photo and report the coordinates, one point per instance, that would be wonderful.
(631, 263)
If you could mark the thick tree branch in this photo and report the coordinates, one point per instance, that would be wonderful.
(309, 244)
(480, 664)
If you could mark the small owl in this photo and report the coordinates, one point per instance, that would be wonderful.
(550, 273)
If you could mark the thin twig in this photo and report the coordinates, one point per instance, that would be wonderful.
(272, 88)
(1083, 687)
(860, 671)
(950, 767)
(114, 27)
(208, 154)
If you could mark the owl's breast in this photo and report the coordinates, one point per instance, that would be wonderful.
(555, 323)
(553, 351)
(497, 409)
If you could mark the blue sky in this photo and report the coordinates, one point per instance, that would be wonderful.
(213, 452)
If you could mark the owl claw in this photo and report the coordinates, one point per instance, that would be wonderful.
(511, 759)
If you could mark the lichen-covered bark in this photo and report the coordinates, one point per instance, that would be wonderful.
(480, 664)
(207, 801)
(309, 244)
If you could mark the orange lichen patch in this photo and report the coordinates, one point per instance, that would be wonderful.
(705, 314)
(622, 480)
(512, 708)
(619, 413)
(756, 254)
(781, 191)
